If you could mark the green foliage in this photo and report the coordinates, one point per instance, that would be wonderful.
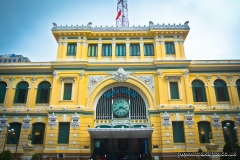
(7, 155)
(35, 156)
(228, 149)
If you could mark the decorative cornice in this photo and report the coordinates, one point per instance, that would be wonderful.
(151, 26)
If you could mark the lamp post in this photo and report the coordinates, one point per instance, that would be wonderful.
(16, 150)
(228, 134)
(10, 132)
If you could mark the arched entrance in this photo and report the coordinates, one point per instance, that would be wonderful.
(121, 127)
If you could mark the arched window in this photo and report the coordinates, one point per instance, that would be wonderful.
(203, 131)
(38, 133)
(198, 89)
(231, 131)
(43, 92)
(3, 86)
(221, 91)
(14, 138)
(238, 88)
(21, 93)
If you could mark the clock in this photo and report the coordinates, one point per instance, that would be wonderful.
(120, 107)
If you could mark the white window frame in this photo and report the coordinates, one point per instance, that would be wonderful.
(174, 78)
(67, 80)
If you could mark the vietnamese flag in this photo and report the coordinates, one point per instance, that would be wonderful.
(118, 14)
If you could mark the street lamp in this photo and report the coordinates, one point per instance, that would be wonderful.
(10, 132)
(228, 134)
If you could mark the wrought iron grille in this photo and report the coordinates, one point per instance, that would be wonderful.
(137, 105)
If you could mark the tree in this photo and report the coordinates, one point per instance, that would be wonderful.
(35, 156)
(228, 149)
(7, 155)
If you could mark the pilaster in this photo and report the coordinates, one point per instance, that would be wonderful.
(141, 49)
(157, 48)
(127, 49)
(113, 49)
(99, 49)
(64, 50)
(182, 52)
(177, 48)
(84, 48)
(163, 47)
(60, 49)
(79, 49)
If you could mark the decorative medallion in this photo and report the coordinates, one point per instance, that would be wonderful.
(92, 80)
(149, 80)
(3, 122)
(166, 120)
(52, 120)
(120, 75)
(215, 121)
(238, 119)
(26, 123)
(189, 119)
(75, 121)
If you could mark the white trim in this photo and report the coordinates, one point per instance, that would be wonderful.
(203, 118)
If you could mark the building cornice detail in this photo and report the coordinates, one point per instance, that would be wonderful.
(26, 123)
(151, 26)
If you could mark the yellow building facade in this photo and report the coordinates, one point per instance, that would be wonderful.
(119, 93)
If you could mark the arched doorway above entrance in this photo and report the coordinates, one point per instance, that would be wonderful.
(121, 107)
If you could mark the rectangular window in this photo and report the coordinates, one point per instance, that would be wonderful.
(38, 133)
(199, 94)
(67, 95)
(63, 132)
(169, 47)
(19, 60)
(92, 50)
(5, 60)
(148, 50)
(204, 130)
(120, 50)
(15, 137)
(9, 60)
(14, 60)
(178, 132)
(22, 96)
(0, 60)
(174, 90)
(106, 50)
(134, 50)
(71, 49)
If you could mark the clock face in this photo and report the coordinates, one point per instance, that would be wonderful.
(120, 107)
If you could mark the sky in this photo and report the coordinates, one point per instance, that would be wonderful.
(25, 25)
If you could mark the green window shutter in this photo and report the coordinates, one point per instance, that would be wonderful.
(203, 131)
(67, 91)
(174, 90)
(169, 48)
(38, 133)
(71, 49)
(43, 92)
(92, 50)
(120, 50)
(178, 132)
(63, 133)
(106, 50)
(21, 93)
(134, 50)
(3, 86)
(199, 93)
(221, 91)
(148, 50)
(17, 129)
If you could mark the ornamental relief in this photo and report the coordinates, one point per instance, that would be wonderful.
(149, 80)
(52, 122)
(216, 121)
(189, 119)
(26, 123)
(3, 122)
(166, 120)
(75, 121)
(120, 75)
(92, 80)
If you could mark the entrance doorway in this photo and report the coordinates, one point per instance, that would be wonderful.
(121, 149)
